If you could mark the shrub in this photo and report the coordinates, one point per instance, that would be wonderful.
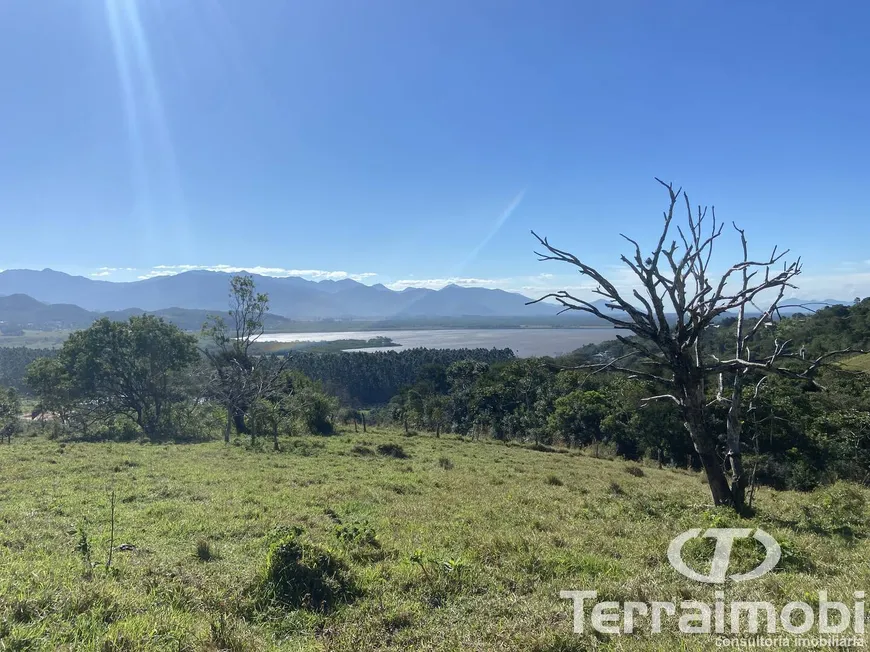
(840, 509)
(360, 533)
(445, 463)
(393, 450)
(636, 471)
(553, 480)
(441, 577)
(204, 551)
(361, 450)
(301, 575)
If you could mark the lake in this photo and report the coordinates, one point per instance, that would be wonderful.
(525, 342)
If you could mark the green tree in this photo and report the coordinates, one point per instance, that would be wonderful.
(577, 417)
(10, 413)
(58, 395)
(130, 369)
(462, 377)
(240, 377)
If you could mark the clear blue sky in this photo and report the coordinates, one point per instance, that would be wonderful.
(419, 141)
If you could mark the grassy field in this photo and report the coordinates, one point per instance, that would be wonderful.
(459, 545)
(36, 339)
(858, 363)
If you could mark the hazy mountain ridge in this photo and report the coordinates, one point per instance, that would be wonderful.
(48, 300)
(22, 311)
(291, 297)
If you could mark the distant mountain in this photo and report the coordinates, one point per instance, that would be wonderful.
(291, 297)
(806, 306)
(21, 310)
(24, 312)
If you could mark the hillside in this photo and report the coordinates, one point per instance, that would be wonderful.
(24, 312)
(291, 297)
(462, 545)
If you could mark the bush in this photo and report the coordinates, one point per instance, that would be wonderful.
(301, 575)
(840, 509)
(445, 463)
(204, 551)
(554, 481)
(636, 471)
(393, 450)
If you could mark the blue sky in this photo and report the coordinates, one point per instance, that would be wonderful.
(413, 143)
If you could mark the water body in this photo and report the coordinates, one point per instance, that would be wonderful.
(525, 342)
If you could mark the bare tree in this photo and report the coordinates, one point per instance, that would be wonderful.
(678, 299)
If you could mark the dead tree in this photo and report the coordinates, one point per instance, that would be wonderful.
(677, 300)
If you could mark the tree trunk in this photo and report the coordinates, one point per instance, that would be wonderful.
(735, 455)
(693, 413)
(239, 421)
(228, 426)
(363, 415)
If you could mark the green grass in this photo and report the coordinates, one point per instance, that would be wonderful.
(858, 363)
(36, 339)
(467, 553)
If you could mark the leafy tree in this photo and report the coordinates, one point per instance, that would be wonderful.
(10, 413)
(111, 369)
(58, 394)
(462, 377)
(577, 417)
(130, 369)
(14, 362)
(239, 377)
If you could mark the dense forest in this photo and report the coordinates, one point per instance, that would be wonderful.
(361, 379)
(14, 362)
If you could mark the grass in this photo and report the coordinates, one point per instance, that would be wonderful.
(409, 556)
(858, 363)
(36, 339)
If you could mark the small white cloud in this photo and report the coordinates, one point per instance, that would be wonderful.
(156, 272)
(438, 283)
(106, 271)
(278, 272)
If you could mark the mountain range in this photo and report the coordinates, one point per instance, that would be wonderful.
(290, 297)
(49, 300)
